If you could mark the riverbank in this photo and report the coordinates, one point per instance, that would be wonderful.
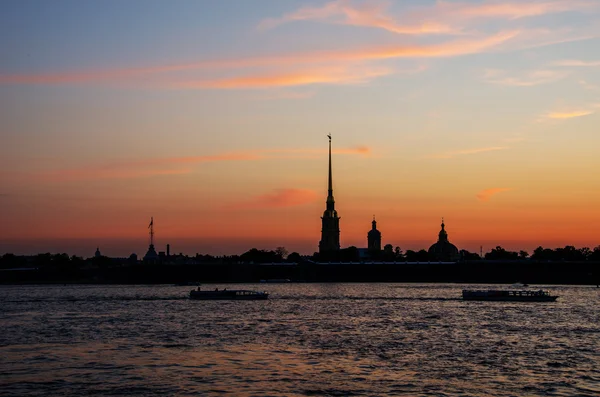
(585, 273)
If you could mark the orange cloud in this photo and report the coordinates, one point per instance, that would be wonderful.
(569, 115)
(486, 194)
(362, 150)
(280, 198)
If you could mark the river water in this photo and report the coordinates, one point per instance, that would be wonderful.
(306, 340)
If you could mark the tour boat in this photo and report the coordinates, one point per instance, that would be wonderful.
(507, 295)
(228, 294)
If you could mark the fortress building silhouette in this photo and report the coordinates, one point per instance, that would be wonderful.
(442, 250)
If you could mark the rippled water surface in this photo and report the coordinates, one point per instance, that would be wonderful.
(306, 340)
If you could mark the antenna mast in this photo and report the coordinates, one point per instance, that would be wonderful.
(151, 226)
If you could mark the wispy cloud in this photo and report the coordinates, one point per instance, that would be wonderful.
(487, 194)
(323, 67)
(279, 198)
(373, 14)
(588, 86)
(569, 114)
(443, 17)
(332, 75)
(448, 155)
(527, 79)
(516, 10)
(461, 29)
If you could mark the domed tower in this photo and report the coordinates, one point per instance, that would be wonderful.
(443, 250)
(330, 221)
(374, 238)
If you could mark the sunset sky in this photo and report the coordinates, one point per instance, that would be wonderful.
(212, 116)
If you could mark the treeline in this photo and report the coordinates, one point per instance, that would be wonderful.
(567, 254)
(64, 262)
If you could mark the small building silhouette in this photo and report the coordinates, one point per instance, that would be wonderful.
(374, 239)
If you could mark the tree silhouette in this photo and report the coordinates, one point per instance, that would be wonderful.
(500, 254)
(281, 252)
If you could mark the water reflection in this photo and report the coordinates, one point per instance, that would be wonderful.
(307, 339)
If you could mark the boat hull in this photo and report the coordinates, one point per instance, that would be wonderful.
(228, 295)
(511, 298)
(508, 296)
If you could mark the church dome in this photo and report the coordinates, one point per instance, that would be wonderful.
(443, 250)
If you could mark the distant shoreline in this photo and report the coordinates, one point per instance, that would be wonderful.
(469, 272)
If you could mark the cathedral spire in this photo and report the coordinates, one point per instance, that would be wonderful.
(330, 231)
(443, 235)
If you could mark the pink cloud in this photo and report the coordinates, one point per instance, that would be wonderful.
(279, 198)
(486, 194)
(366, 14)
(441, 18)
